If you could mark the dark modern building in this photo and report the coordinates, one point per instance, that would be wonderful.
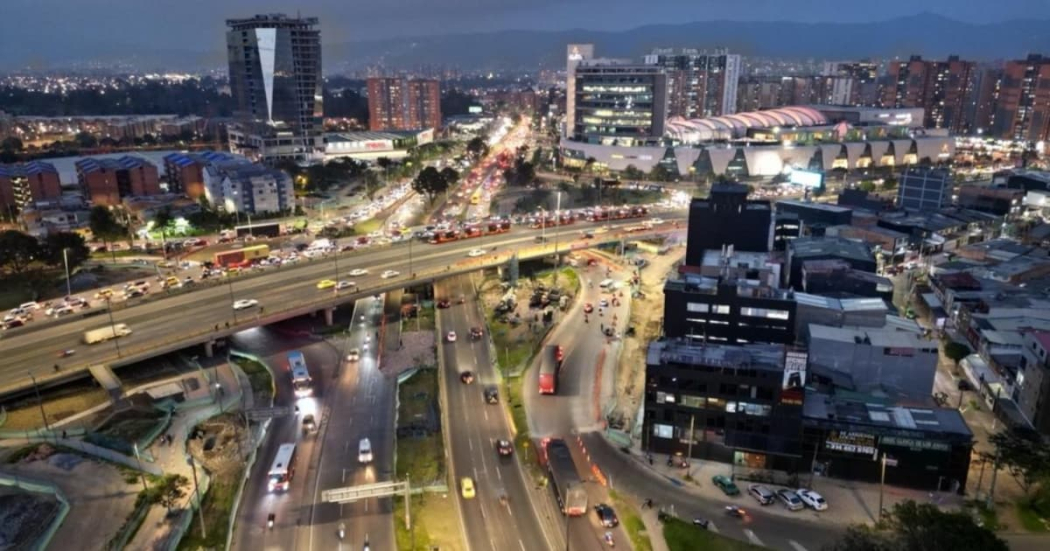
(618, 104)
(924, 189)
(816, 215)
(739, 404)
(998, 201)
(786, 226)
(275, 80)
(860, 199)
(845, 434)
(856, 254)
(836, 278)
(727, 217)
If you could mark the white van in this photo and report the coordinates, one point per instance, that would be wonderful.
(364, 451)
(607, 284)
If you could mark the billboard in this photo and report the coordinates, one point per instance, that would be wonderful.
(808, 179)
(474, 109)
(851, 442)
(792, 390)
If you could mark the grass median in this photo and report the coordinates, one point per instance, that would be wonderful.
(632, 522)
(420, 456)
(683, 536)
(218, 505)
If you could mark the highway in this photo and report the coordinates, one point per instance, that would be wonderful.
(576, 408)
(474, 427)
(174, 322)
(351, 401)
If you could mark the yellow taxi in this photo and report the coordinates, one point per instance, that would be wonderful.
(325, 284)
(466, 485)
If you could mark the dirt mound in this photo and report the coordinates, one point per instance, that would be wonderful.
(219, 444)
(24, 517)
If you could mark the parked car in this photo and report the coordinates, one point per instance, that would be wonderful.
(763, 495)
(725, 484)
(812, 499)
(790, 499)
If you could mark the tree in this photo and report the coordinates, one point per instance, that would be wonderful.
(1023, 452)
(867, 186)
(956, 351)
(889, 183)
(73, 243)
(170, 492)
(587, 164)
(85, 139)
(12, 144)
(660, 173)
(161, 220)
(450, 175)
(477, 148)
(104, 226)
(430, 183)
(912, 526)
(17, 251)
(371, 183)
(632, 172)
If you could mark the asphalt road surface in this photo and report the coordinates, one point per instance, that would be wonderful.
(351, 401)
(474, 427)
(180, 320)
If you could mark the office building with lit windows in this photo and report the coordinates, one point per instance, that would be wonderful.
(618, 103)
(398, 104)
(699, 84)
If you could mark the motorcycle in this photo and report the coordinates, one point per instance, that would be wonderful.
(342, 531)
(701, 522)
(269, 521)
(609, 539)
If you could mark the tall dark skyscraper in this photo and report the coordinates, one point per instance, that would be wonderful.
(275, 79)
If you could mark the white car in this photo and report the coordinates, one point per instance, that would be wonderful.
(354, 355)
(244, 304)
(364, 451)
(451, 337)
(812, 499)
(390, 273)
(60, 311)
(475, 253)
(344, 285)
(656, 221)
(358, 272)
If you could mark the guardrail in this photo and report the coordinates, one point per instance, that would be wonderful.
(297, 308)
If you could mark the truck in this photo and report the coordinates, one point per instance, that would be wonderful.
(267, 229)
(565, 480)
(106, 333)
(241, 257)
(550, 366)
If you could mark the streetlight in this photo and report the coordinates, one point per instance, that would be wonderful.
(112, 324)
(557, 224)
(39, 401)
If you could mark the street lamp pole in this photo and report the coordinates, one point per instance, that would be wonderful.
(65, 260)
(113, 324)
(882, 483)
(229, 283)
(38, 400)
(557, 224)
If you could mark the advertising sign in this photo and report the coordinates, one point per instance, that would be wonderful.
(806, 178)
(794, 377)
(851, 442)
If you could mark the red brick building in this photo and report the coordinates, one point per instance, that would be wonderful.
(941, 88)
(106, 181)
(23, 185)
(397, 103)
(1022, 101)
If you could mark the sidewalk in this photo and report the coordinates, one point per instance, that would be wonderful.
(173, 458)
(850, 502)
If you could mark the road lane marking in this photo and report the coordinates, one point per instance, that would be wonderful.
(344, 474)
(499, 474)
(796, 545)
(711, 527)
(471, 444)
(521, 544)
(753, 538)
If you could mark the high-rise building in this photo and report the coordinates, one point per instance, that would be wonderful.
(1022, 101)
(699, 84)
(24, 185)
(728, 218)
(862, 78)
(924, 189)
(941, 88)
(397, 103)
(574, 55)
(986, 91)
(618, 103)
(275, 79)
(106, 181)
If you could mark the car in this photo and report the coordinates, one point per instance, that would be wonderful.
(491, 395)
(104, 294)
(476, 252)
(657, 221)
(443, 303)
(309, 424)
(134, 292)
(812, 499)
(61, 311)
(11, 324)
(466, 487)
(763, 495)
(467, 377)
(588, 308)
(725, 484)
(451, 337)
(358, 272)
(364, 451)
(790, 499)
(354, 355)
(344, 285)
(244, 304)
(476, 332)
(504, 447)
(606, 516)
(390, 273)
(326, 284)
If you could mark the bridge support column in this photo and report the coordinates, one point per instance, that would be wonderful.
(328, 315)
(209, 349)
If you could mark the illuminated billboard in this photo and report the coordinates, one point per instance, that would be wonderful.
(807, 178)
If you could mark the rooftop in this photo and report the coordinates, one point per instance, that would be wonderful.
(804, 247)
(91, 164)
(749, 356)
(826, 207)
(26, 169)
(843, 304)
(865, 410)
(871, 336)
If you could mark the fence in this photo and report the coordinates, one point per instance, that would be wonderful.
(263, 428)
(30, 485)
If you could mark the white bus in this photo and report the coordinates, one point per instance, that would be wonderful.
(301, 379)
(283, 468)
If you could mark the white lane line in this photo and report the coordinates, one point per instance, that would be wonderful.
(471, 444)
(344, 474)
(753, 538)
(486, 410)
(522, 544)
(711, 527)
(796, 545)
(499, 474)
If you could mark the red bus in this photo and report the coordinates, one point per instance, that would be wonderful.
(550, 366)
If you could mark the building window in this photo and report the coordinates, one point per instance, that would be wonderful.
(692, 401)
(663, 431)
(716, 403)
(665, 398)
(721, 308)
(698, 307)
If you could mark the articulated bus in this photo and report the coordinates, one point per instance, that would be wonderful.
(550, 366)
(283, 468)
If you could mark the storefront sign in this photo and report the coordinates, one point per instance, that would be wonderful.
(914, 444)
(851, 442)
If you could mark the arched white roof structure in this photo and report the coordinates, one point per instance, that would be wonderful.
(737, 125)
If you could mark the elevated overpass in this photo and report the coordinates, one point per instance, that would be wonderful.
(200, 316)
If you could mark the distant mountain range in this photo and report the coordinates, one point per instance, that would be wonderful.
(932, 36)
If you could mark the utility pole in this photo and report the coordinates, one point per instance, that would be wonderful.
(557, 224)
(38, 400)
(882, 484)
(65, 260)
(200, 502)
(689, 446)
(991, 488)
